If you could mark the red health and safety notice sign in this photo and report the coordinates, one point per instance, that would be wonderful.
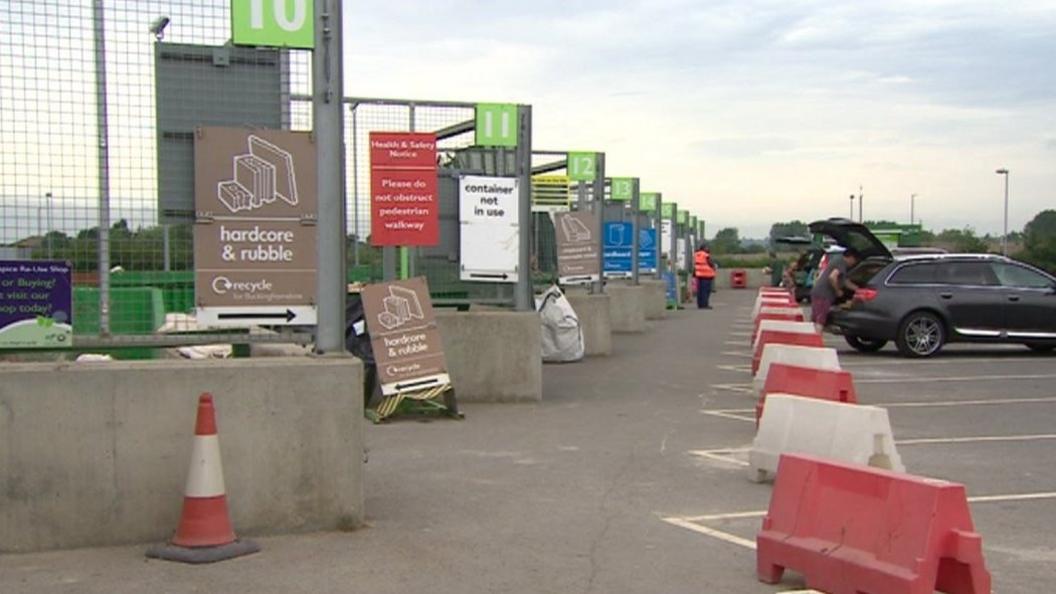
(403, 189)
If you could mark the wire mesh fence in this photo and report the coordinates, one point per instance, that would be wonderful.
(98, 106)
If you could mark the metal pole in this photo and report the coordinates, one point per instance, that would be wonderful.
(355, 185)
(408, 254)
(1004, 240)
(328, 126)
(635, 245)
(861, 205)
(102, 136)
(599, 211)
(48, 200)
(851, 218)
(523, 299)
(912, 207)
(166, 258)
(658, 224)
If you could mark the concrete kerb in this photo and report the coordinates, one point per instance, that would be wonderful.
(595, 317)
(800, 356)
(96, 454)
(627, 307)
(835, 430)
(764, 301)
(493, 356)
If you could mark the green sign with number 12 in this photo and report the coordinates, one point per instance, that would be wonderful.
(582, 167)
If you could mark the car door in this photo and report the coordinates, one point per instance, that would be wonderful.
(1030, 301)
(972, 298)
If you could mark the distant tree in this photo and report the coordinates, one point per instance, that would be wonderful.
(961, 240)
(1039, 241)
(727, 241)
(795, 228)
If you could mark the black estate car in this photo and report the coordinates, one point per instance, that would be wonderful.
(923, 302)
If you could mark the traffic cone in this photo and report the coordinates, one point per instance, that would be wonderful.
(204, 534)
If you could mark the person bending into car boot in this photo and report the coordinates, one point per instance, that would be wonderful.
(830, 286)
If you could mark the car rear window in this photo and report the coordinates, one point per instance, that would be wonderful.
(915, 274)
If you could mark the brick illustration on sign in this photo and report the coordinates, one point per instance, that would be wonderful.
(260, 177)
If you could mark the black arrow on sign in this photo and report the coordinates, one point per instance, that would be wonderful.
(415, 384)
(503, 276)
(288, 315)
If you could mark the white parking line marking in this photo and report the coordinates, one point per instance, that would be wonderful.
(984, 438)
(747, 368)
(744, 388)
(730, 414)
(965, 378)
(721, 455)
(969, 402)
(719, 534)
(861, 362)
(737, 354)
(690, 523)
(745, 334)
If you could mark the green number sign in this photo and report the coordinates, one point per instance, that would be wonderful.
(693, 221)
(683, 217)
(622, 189)
(647, 201)
(582, 167)
(496, 124)
(275, 23)
(667, 210)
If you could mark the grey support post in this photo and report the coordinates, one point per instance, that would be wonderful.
(635, 244)
(524, 298)
(103, 140)
(599, 210)
(328, 127)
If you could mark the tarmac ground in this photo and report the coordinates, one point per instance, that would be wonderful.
(629, 477)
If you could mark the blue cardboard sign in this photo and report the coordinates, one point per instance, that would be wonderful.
(617, 249)
(647, 250)
(672, 288)
(36, 304)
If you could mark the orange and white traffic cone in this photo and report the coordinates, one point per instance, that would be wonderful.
(204, 534)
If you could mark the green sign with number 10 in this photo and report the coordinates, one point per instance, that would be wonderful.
(273, 23)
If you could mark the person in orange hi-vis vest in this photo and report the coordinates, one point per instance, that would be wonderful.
(704, 272)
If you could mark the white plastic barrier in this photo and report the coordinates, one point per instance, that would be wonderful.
(835, 430)
(800, 356)
(782, 326)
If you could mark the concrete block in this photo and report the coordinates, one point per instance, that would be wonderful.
(782, 326)
(594, 312)
(800, 356)
(626, 307)
(656, 299)
(96, 454)
(845, 432)
(493, 356)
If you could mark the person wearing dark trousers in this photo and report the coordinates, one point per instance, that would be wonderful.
(704, 272)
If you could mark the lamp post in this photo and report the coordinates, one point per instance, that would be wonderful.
(852, 208)
(1004, 237)
(861, 206)
(912, 207)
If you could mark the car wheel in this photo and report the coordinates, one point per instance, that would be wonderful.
(865, 345)
(1039, 347)
(920, 335)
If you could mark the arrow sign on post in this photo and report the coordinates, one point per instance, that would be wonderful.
(288, 315)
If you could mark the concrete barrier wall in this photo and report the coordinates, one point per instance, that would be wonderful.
(627, 307)
(493, 356)
(655, 299)
(96, 454)
(596, 320)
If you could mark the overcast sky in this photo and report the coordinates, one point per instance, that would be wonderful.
(751, 111)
